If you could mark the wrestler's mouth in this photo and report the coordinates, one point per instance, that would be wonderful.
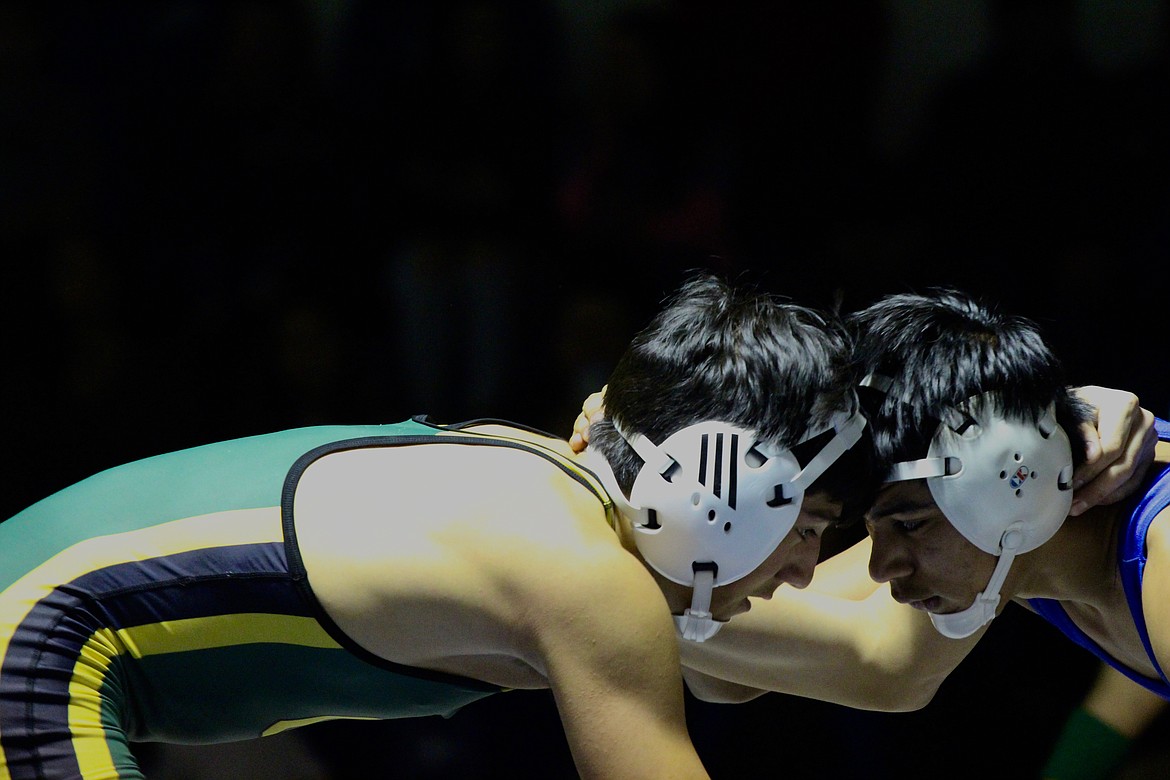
(928, 604)
(731, 610)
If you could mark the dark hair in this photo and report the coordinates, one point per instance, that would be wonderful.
(941, 348)
(737, 355)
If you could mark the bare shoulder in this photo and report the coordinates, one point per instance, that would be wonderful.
(549, 441)
(1156, 585)
(451, 495)
(432, 553)
(1158, 535)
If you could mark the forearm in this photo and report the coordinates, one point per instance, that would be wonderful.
(706, 688)
(625, 730)
(872, 654)
(1122, 704)
(1097, 735)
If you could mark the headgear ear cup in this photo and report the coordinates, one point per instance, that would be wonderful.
(710, 499)
(1004, 484)
(992, 473)
(715, 502)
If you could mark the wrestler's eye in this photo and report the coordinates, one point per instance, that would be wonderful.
(908, 526)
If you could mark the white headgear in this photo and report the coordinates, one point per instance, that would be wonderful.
(713, 502)
(1004, 484)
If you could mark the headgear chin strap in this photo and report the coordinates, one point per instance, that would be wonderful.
(1004, 484)
(712, 502)
(965, 622)
(696, 622)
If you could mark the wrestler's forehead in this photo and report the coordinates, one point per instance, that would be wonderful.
(898, 498)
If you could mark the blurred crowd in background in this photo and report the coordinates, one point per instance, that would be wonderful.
(226, 218)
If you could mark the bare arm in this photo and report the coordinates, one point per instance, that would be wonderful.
(718, 691)
(843, 639)
(613, 666)
(1122, 704)
(1097, 735)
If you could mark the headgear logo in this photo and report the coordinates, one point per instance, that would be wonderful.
(1019, 478)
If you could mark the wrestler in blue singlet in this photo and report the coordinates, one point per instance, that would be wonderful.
(1131, 563)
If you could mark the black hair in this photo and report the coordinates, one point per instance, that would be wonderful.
(736, 355)
(941, 348)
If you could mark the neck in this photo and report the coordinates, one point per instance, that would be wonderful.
(624, 513)
(1078, 564)
(678, 597)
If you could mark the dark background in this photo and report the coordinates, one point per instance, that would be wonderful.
(226, 218)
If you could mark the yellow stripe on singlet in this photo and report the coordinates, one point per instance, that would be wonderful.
(232, 527)
(221, 631)
(85, 706)
(286, 725)
(168, 636)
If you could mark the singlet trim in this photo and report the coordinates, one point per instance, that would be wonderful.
(296, 564)
(1131, 560)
